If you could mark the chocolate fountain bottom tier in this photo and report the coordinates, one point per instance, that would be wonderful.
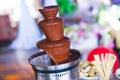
(41, 60)
(44, 70)
(57, 50)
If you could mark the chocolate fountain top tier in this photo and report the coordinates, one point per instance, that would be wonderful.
(51, 26)
(49, 12)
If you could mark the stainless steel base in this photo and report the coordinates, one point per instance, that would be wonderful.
(45, 70)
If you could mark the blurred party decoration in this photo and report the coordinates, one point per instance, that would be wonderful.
(83, 35)
(117, 2)
(110, 18)
(7, 33)
(66, 6)
(88, 9)
(28, 31)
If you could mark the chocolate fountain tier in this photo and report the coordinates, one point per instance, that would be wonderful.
(49, 12)
(51, 26)
(57, 50)
(53, 29)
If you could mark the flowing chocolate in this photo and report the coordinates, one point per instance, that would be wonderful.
(56, 45)
(57, 50)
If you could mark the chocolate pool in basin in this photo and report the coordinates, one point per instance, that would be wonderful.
(56, 61)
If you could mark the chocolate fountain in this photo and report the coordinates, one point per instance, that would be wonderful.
(55, 61)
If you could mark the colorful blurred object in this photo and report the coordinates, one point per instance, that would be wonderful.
(110, 17)
(66, 6)
(6, 31)
(99, 50)
(115, 2)
(28, 31)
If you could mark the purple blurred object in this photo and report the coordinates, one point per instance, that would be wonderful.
(115, 2)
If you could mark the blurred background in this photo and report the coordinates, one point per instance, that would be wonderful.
(88, 23)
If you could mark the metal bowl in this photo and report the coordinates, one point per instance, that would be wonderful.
(45, 70)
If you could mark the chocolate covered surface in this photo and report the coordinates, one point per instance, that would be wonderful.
(57, 50)
(55, 45)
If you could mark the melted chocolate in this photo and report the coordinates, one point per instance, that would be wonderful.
(56, 45)
(51, 25)
(57, 50)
